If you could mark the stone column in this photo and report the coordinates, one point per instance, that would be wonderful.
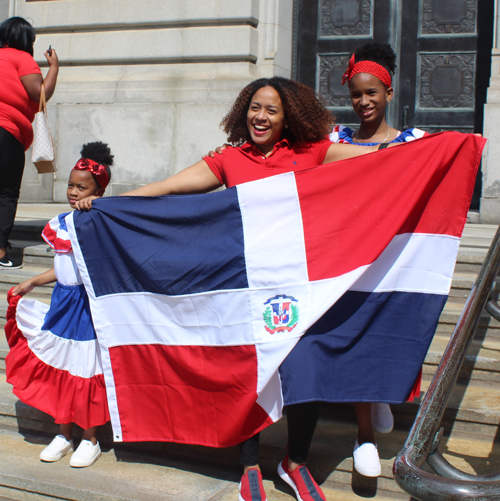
(490, 199)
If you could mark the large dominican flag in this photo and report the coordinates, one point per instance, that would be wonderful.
(197, 299)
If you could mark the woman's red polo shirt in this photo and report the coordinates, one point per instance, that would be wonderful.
(247, 163)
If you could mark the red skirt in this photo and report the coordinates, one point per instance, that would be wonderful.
(39, 380)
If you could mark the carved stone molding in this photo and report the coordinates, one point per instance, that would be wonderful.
(446, 80)
(331, 69)
(433, 130)
(341, 18)
(444, 17)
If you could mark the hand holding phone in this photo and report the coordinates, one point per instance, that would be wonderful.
(51, 56)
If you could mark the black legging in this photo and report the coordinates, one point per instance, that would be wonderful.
(302, 420)
(11, 175)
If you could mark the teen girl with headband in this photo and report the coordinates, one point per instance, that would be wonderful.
(54, 362)
(370, 87)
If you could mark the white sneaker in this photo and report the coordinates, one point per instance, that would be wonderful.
(382, 418)
(366, 459)
(57, 449)
(86, 454)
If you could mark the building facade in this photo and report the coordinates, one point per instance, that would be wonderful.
(490, 194)
(154, 78)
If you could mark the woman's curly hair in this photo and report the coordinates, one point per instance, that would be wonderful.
(307, 118)
(380, 53)
(98, 152)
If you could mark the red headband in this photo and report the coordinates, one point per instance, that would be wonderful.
(371, 67)
(96, 169)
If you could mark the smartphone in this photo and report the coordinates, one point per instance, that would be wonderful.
(49, 50)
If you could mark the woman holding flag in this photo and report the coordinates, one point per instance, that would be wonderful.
(278, 126)
(369, 80)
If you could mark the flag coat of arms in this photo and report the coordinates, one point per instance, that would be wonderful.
(198, 299)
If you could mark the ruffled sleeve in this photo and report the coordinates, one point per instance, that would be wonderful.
(410, 135)
(341, 134)
(56, 234)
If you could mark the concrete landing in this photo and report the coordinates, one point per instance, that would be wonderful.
(174, 472)
(32, 212)
(188, 473)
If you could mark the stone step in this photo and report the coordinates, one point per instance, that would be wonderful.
(26, 233)
(470, 259)
(41, 255)
(41, 293)
(473, 232)
(451, 313)
(481, 365)
(173, 472)
(10, 278)
(473, 412)
(463, 453)
(474, 245)
(45, 211)
(176, 471)
(4, 349)
(30, 230)
(462, 283)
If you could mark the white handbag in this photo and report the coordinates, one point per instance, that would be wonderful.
(42, 153)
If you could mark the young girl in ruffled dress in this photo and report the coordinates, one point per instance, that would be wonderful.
(54, 362)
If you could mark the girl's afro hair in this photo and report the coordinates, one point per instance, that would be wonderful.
(380, 53)
(99, 152)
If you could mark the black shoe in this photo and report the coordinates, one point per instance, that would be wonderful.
(7, 263)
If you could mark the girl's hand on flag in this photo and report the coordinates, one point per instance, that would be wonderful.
(85, 203)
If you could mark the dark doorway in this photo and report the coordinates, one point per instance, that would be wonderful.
(443, 64)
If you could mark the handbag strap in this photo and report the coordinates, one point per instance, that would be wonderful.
(43, 103)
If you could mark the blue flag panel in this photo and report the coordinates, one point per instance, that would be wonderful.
(367, 347)
(197, 247)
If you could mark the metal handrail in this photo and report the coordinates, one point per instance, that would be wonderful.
(449, 483)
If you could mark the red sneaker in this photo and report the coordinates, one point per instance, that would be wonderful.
(301, 481)
(251, 487)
